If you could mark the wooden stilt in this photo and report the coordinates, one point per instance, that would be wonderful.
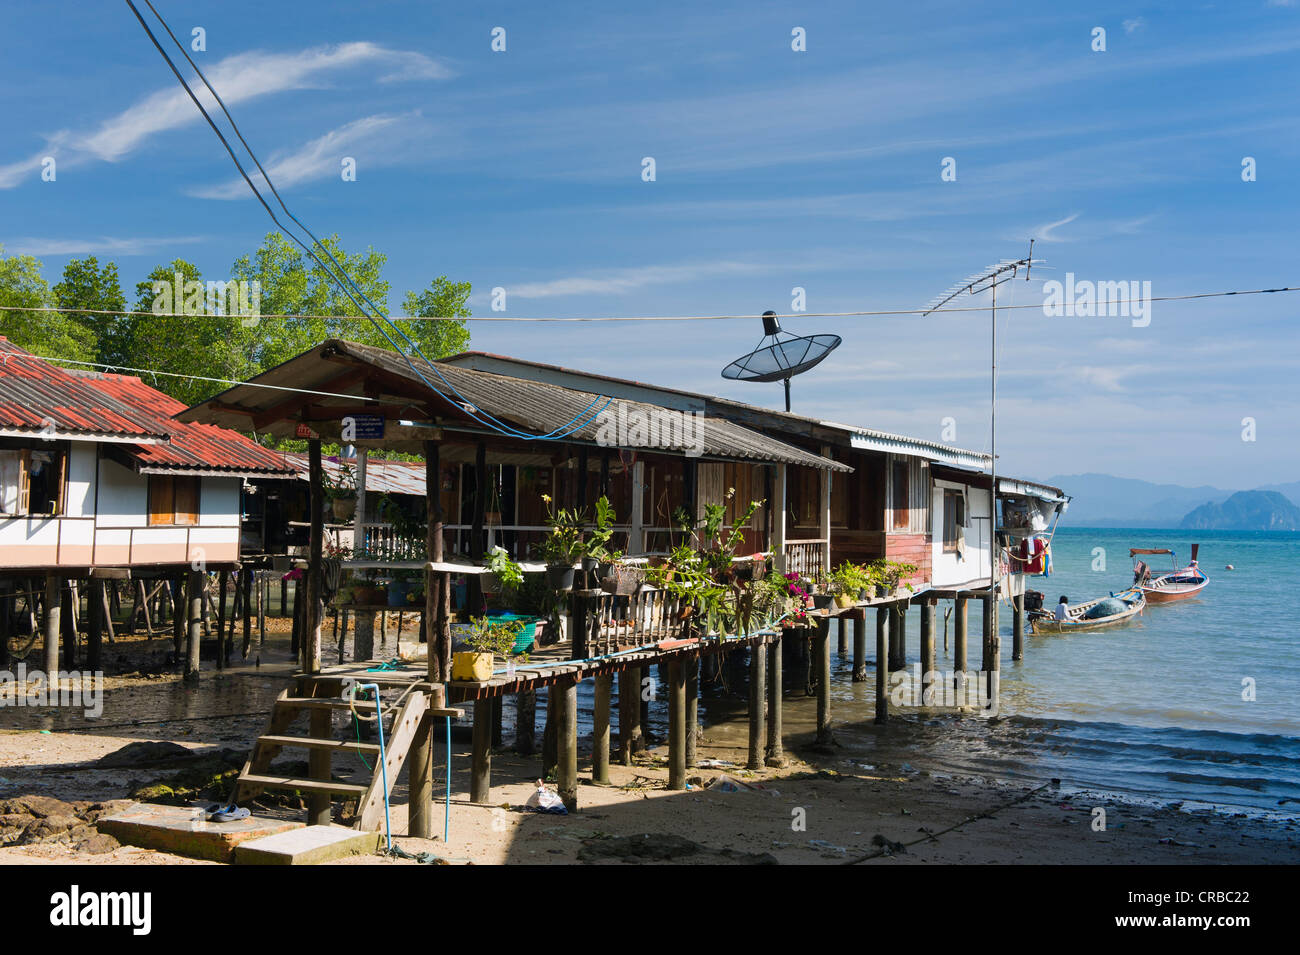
(194, 601)
(841, 637)
(318, 767)
(600, 730)
(1018, 626)
(526, 722)
(822, 654)
(898, 638)
(69, 598)
(992, 663)
(757, 706)
(550, 745)
(481, 759)
(246, 579)
(419, 779)
(677, 724)
(882, 664)
(180, 615)
(775, 701)
(860, 648)
(959, 635)
(53, 620)
(928, 659)
(312, 617)
(566, 770)
(97, 606)
(692, 710)
(223, 579)
(629, 715)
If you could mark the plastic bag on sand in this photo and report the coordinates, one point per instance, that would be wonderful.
(545, 800)
(730, 784)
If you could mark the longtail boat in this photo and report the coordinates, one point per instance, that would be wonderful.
(1092, 614)
(1178, 583)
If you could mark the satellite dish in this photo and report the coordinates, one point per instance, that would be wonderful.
(781, 358)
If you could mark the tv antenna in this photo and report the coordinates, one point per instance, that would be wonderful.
(781, 358)
(988, 281)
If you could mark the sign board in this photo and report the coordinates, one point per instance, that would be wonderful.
(303, 431)
(369, 427)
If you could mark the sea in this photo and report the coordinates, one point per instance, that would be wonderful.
(1195, 702)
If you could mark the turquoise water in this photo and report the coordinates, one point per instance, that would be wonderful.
(1155, 709)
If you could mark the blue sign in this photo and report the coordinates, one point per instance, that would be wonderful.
(369, 427)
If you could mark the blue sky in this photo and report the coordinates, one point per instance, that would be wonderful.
(774, 169)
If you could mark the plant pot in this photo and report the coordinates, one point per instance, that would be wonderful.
(589, 564)
(560, 577)
(492, 517)
(844, 601)
(623, 581)
(397, 593)
(489, 583)
(343, 508)
(822, 601)
(864, 594)
(471, 667)
(743, 570)
(882, 590)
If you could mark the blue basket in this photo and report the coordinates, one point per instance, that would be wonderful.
(527, 636)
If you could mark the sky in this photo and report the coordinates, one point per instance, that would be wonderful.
(903, 149)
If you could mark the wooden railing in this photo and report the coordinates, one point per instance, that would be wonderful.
(620, 623)
(807, 557)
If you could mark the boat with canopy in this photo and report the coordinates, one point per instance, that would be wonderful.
(1178, 584)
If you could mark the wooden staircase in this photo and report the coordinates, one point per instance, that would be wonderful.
(319, 698)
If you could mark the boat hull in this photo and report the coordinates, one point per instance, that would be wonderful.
(1135, 602)
(1172, 592)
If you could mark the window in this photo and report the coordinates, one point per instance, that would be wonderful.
(954, 519)
(902, 513)
(173, 500)
(31, 481)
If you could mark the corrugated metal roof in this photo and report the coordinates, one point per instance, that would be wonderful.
(537, 407)
(859, 436)
(202, 447)
(35, 394)
(382, 477)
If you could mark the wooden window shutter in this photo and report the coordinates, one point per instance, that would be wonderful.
(187, 500)
(162, 497)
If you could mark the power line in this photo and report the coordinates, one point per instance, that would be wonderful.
(585, 417)
(871, 313)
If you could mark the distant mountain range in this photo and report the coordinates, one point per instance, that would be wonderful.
(1102, 500)
(1246, 510)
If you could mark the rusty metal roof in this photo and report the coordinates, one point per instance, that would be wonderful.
(36, 397)
(193, 447)
(382, 477)
(465, 396)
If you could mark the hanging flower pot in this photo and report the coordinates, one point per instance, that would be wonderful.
(343, 508)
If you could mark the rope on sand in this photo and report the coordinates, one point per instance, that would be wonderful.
(891, 848)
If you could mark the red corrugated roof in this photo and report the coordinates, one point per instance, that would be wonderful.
(34, 394)
(192, 445)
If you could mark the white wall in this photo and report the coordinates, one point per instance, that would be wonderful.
(79, 496)
(123, 496)
(219, 502)
(947, 569)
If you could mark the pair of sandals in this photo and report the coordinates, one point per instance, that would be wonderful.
(232, 813)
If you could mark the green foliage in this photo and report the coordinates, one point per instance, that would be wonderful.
(562, 546)
(49, 334)
(598, 538)
(495, 636)
(499, 562)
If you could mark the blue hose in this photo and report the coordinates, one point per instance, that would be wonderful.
(383, 762)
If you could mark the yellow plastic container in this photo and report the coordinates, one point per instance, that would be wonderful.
(471, 667)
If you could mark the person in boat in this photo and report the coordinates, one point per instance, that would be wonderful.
(1063, 608)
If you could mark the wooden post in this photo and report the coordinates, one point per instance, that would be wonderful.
(526, 722)
(312, 617)
(566, 775)
(481, 759)
(777, 505)
(108, 604)
(959, 634)
(180, 611)
(223, 579)
(898, 638)
(98, 602)
(775, 700)
(692, 709)
(70, 599)
(318, 767)
(882, 664)
(600, 730)
(629, 715)
(927, 652)
(550, 744)
(263, 605)
(860, 647)
(841, 637)
(194, 615)
(1018, 626)
(992, 663)
(757, 705)
(677, 724)
(822, 643)
(437, 626)
(636, 520)
(246, 579)
(474, 598)
(419, 779)
(53, 618)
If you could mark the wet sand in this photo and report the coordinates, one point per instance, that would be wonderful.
(831, 807)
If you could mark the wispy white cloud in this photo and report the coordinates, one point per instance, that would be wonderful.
(238, 78)
(621, 281)
(1134, 24)
(380, 140)
(101, 245)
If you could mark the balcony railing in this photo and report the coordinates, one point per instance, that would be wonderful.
(806, 557)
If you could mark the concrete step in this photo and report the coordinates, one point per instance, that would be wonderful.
(184, 830)
(308, 846)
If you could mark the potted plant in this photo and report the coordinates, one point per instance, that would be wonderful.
(504, 573)
(341, 494)
(596, 544)
(849, 582)
(562, 547)
(488, 638)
